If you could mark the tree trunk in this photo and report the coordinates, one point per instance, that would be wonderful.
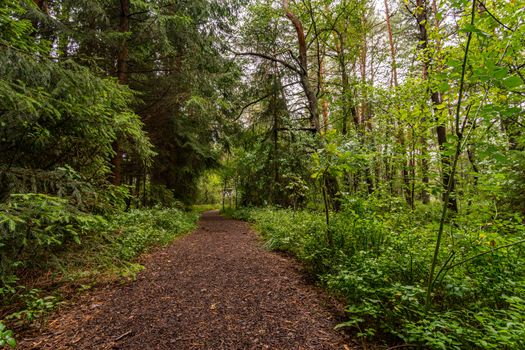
(421, 17)
(324, 103)
(392, 46)
(122, 61)
(441, 131)
(365, 125)
(311, 94)
(276, 87)
(348, 105)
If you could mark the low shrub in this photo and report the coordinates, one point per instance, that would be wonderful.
(140, 229)
(201, 208)
(378, 258)
(41, 233)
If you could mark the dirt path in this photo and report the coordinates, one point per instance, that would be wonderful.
(214, 289)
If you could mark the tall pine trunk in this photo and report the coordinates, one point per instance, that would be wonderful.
(122, 62)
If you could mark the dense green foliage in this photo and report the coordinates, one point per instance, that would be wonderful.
(379, 135)
(80, 86)
(73, 247)
(101, 111)
(399, 144)
(393, 129)
(379, 262)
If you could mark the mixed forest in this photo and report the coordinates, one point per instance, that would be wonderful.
(380, 142)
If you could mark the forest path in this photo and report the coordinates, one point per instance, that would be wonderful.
(216, 288)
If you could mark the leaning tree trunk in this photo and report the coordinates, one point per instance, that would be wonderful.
(330, 182)
(311, 94)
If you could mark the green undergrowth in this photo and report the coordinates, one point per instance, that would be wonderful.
(48, 251)
(379, 261)
(201, 208)
(112, 249)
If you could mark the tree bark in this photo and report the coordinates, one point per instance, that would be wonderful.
(392, 46)
(437, 100)
(365, 124)
(421, 18)
(401, 132)
(311, 94)
(122, 62)
(348, 107)
(324, 103)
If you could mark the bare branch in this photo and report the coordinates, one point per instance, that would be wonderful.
(270, 58)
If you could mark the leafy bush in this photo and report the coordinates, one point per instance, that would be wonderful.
(32, 226)
(6, 336)
(35, 305)
(43, 232)
(140, 229)
(379, 260)
(162, 196)
(201, 208)
(110, 251)
(239, 213)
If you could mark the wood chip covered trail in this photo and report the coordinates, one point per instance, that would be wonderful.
(216, 288)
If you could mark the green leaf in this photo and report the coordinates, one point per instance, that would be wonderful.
(12, 225)
(500, 73)
(443, 86)
(512, 82)
(469, 28)
(11, 342)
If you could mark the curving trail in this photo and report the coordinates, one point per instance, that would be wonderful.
(216, 288)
